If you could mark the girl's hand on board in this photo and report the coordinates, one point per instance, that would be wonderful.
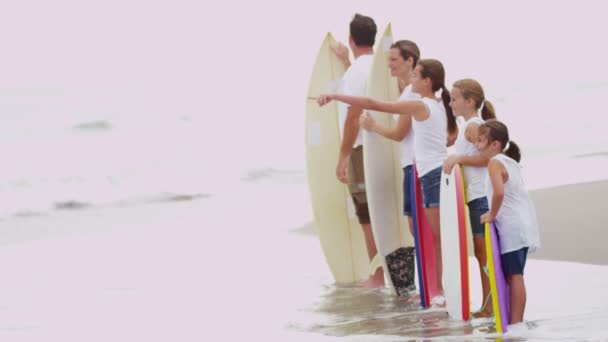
(487, 217)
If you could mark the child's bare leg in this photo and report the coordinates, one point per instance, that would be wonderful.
(432, 215)
(479, 243)
(517, 293)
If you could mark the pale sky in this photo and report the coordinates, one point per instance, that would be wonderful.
(240, 69)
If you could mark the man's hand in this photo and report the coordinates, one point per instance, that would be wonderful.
(341, 170)
(341, 52)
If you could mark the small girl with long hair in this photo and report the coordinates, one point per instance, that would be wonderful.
(511, 209)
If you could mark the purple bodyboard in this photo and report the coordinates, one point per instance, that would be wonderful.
(501, 284)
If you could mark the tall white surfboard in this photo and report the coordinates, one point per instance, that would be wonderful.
(454, 249)
(384, 180)
(337, 226)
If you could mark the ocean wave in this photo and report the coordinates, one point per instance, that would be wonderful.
(274, 175)
(590, 155)
(180, 197)
(94, 126)
(71, 205)
(39, 209)
(30, 213)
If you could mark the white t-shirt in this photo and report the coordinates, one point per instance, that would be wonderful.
(407, 144)
(354, 83)
(516, 220)
(474, 176)
(431, 138)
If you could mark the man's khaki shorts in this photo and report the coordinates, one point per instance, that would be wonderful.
(356, 184)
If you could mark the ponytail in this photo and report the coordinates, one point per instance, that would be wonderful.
(487, 111)
(512, 151)
(433, 69)
(471, 89)
(445, 96)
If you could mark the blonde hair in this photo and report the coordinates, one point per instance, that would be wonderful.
(471, 89)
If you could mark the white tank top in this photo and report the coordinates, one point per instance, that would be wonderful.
(474, 176)
(516, 220)
(430, 138)
(407, 144)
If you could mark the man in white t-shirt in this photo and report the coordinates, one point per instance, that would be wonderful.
(350, 162)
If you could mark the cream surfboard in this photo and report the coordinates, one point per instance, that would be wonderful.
(384, 181)
(337, 226)
(454, 240)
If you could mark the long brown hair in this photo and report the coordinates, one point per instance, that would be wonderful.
(407, 49)
(433, 69)
(495, 130)
(471, 89)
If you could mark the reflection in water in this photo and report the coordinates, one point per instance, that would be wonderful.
(348, 311)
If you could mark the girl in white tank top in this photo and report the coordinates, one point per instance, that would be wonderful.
(467, 99)
(511, 209)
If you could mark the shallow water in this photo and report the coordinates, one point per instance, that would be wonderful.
(196, 269)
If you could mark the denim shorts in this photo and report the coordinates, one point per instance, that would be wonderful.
(478, 207)
(407, 198)
(514, 262)
(430, 183)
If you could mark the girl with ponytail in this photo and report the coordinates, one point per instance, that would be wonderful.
(434, 127)
(468, 99)
(511, 209)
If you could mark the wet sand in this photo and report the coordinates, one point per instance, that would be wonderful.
(573, 222)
